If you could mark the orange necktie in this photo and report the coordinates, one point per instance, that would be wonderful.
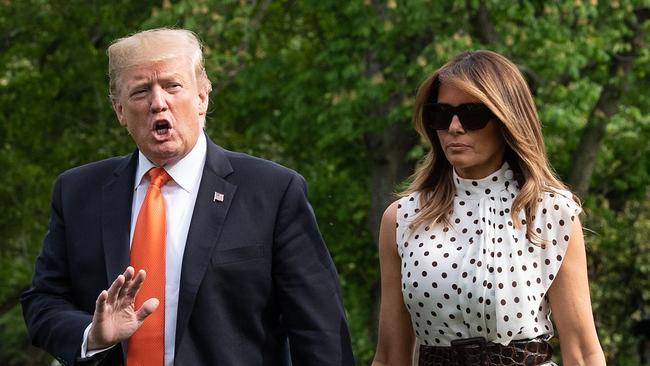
(147, 344)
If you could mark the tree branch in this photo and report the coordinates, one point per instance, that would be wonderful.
(481, 23)
(244, 46)
(584, 158)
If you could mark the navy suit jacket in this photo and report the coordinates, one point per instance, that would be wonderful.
(258, 286)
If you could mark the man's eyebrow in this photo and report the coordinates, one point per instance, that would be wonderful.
(140, 81)
(171, 76)
(139, 84)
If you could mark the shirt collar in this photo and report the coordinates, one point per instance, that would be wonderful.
(184, 172)
(488, 186)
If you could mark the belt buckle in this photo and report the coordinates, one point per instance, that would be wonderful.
(469, 351)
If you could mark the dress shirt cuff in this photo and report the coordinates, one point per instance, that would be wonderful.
(84, 345)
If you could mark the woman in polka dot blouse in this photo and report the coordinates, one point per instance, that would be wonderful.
(486, 240)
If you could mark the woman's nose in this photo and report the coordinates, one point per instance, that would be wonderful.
(455, 125)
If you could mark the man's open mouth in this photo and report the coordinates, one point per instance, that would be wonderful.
(161, 127)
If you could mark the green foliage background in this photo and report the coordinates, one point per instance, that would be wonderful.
(307, 83)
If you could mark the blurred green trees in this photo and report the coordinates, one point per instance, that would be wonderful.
(326, 87)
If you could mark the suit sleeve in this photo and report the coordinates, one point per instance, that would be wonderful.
(307, 285)
(53, 321)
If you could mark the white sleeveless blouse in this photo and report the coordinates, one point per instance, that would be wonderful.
(480, 276)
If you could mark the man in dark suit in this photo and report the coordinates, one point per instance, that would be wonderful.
(247, 278)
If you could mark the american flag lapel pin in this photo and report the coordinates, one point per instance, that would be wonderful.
(218, 197)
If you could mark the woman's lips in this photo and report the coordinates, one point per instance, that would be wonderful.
(457, 146)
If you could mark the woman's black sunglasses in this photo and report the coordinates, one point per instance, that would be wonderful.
(472, 116)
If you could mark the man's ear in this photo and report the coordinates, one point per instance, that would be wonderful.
(203, 103)
(119, 111)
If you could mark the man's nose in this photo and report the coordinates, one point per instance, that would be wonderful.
(455, 126)
(158, 100)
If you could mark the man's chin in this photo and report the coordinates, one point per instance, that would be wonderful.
(163, 156)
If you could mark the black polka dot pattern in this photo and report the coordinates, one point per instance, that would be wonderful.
(479, 275)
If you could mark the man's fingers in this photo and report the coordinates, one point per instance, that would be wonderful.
(128, 273)
(115, 288)
(128, 276)
(135, 285)
(100, 304)
(147, 308)
(140, 276)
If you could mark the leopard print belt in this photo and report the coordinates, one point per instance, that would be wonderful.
(478, 352)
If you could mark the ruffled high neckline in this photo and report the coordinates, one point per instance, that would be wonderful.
(492, 184)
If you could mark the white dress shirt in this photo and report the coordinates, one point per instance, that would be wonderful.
(180, 195)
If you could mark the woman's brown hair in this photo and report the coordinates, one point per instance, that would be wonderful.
(497, 83)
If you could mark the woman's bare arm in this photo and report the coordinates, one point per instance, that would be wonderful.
(396, 337)
(571, 307)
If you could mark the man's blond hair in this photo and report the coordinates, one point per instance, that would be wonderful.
(155, 45)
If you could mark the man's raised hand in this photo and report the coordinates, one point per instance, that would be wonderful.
(115, 318)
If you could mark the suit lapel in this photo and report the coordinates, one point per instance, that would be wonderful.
(117, 197)
(117, 200)
(212, 203)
